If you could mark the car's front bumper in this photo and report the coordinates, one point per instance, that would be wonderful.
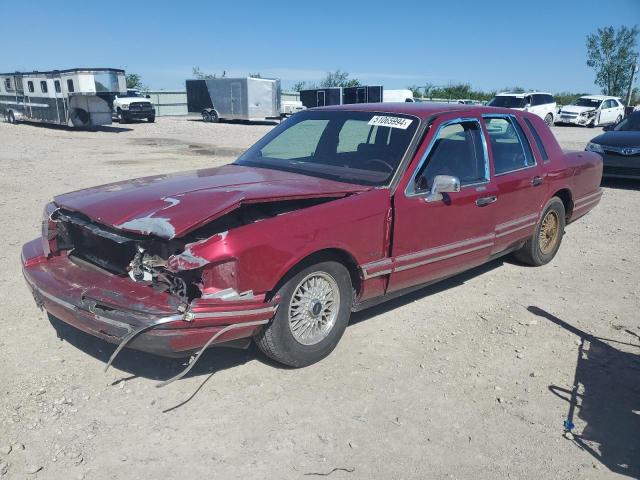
(138, 114)
(111, 307)
(616, 165)
(577, 120)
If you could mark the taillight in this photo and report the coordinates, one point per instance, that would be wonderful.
(49, 230)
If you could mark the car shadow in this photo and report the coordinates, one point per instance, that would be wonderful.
(145, 365)
(606, 396)
(428, 290)
(53, 126)
(620, 183)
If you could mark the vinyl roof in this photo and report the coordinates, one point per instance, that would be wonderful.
(418, 109)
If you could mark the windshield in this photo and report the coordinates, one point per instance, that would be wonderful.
(629, 124)
(355, 147)
(131, 94)
(587, 102)
(506, 101)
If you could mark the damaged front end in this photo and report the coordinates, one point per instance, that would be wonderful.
(167, 296)
(138, 290)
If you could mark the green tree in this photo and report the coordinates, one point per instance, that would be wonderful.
(338, 79)
(611, 53)
(415, 91)
(134, 81)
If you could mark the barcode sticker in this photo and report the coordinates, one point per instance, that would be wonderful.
(393, 122)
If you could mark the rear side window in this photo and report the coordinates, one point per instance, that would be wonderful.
(536, 137)
(457, 151)
(511, 150)
(43, 86)
(70, 85)
(56, 85)
(30, 86)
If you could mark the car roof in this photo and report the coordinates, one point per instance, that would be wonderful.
(421, 110)
(520, 94)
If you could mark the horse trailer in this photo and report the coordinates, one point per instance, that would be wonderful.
(253, 99)
(79, 97)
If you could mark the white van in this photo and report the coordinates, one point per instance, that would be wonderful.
(404, 95)
(540, 103)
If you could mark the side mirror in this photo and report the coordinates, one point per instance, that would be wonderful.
(443, 184)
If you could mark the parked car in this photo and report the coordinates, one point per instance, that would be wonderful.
(539, 103)
(592, 111)
(133, 105)
(619, 146)
(333, 211)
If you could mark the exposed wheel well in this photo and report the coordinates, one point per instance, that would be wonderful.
(567, 200)
(329, 254)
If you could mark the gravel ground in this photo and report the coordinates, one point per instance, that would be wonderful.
(471, 378)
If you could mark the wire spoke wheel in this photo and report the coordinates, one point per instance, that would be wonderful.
(549, 232)
(314, 308)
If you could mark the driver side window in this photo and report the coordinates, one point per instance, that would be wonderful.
(457, 151)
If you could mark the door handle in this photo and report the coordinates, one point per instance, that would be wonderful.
(484, 201)
(537, 180)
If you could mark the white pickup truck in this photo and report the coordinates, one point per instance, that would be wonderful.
(133, 106)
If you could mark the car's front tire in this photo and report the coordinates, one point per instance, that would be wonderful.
(121, 117)
(313, 314)
(151, 119)
(545, 242)
(618, 119)
(549, 119)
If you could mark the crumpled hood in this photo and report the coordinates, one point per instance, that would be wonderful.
(576, 109)
(172, 205)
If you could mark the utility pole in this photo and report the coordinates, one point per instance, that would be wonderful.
(634, 70)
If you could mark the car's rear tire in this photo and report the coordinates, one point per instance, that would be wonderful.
(206, 116)
(545, 242)
(313, 314)
(548, 119)
(11, 117)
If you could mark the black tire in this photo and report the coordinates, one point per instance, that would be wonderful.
(214, 116)
(618, 120)
(121, 117)
(533, 252)
(151, 119)
(277, 341)
(11, 117)
(206, 116)
(549, 119)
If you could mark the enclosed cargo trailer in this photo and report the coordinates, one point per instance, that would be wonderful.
(234, 98)
(362, 94)
(321, 97)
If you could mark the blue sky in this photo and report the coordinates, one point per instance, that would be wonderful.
(538, 44)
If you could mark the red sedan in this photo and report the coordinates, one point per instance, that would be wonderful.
(334, 210)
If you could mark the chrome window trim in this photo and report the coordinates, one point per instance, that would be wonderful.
(512, 119)
(410, 190)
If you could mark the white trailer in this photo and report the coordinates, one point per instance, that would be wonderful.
(79, 97)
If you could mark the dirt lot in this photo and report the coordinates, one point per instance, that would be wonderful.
(471, 378)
